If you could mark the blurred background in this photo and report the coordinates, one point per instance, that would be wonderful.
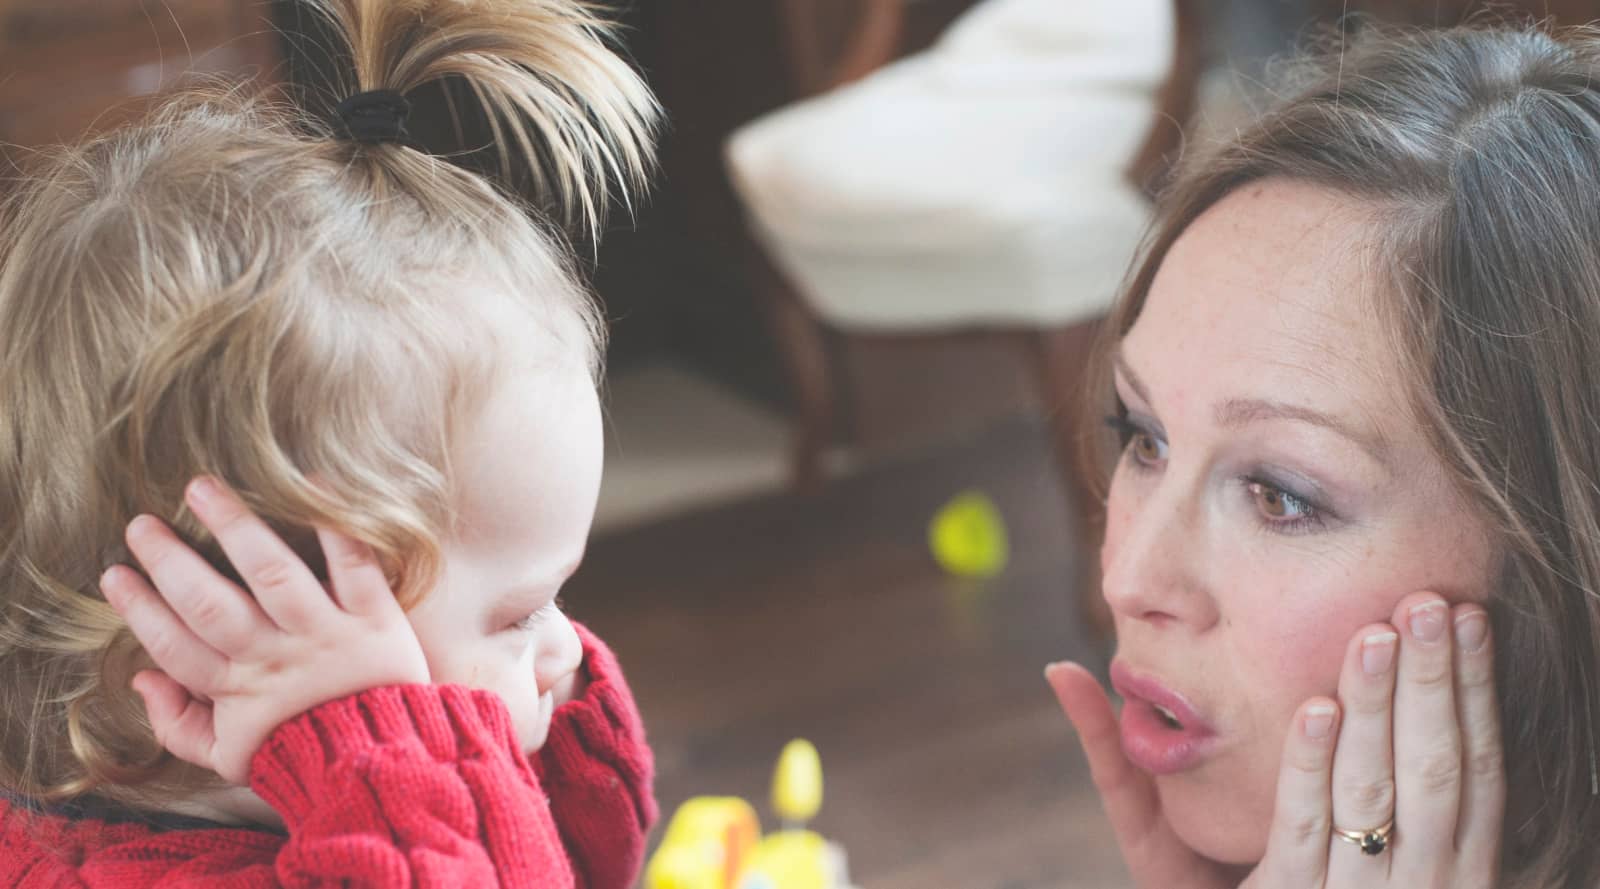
(849, 342)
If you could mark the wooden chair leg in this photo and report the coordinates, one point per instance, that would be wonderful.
(803, 344)
(1061, 362)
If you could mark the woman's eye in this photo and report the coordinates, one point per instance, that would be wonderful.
(1148, 449)
(1278, 505)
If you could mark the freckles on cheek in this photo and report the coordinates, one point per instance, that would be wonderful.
(1311, 663)
(1116, 518)
(1307, 650)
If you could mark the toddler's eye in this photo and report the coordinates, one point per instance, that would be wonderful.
(533, 620)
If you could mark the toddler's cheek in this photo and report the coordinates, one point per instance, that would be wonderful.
(533, 725)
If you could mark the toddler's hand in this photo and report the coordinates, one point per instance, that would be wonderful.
(233, 666)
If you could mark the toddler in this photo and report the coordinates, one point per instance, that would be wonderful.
(326, 405)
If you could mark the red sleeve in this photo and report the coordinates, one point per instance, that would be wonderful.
(598, 771)
(413, 786)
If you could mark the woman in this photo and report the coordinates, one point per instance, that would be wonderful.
(1357, 381)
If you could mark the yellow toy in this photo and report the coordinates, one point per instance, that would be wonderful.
(705, 846)
(968, 537)
(715, 842)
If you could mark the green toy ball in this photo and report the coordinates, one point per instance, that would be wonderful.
(968, 537)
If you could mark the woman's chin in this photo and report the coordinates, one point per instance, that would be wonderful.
(1216, 826)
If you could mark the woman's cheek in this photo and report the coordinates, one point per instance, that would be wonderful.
(1303, 638)
(1294, 639)
(1118, 514)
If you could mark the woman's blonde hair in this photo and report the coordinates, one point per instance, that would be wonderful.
(233, 287)
(1478, 149)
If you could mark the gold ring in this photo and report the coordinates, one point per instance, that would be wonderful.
(1372, 842)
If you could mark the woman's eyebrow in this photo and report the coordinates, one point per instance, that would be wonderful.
(1236, 412)
(1127, 372)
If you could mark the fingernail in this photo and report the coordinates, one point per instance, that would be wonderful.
(108, 589)
(1319, 721)
(140, 525)
(204, 489)
(1427, 620)
(1377, 652)
(1471, 630)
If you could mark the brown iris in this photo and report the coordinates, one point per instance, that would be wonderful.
(1146, 448)
(1274, 503)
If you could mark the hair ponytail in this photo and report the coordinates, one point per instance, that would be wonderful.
(554, 94)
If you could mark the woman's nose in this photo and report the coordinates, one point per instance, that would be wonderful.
(1151, 563)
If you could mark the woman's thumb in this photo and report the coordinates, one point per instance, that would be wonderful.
(1154, 854)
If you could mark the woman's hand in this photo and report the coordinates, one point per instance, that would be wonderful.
(1153, 853)
(234, 666)
(1419, 742)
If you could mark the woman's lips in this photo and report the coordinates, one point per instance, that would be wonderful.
(1149, 738)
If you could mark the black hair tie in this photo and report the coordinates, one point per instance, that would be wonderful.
(375, 116)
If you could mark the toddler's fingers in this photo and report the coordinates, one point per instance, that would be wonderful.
(174, 647)
(283, 586)
(210, 604)
(182, 723)
(358, 582)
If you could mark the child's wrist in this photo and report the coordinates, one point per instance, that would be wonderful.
(305, 756)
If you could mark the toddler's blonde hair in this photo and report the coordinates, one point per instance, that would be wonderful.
(230, 287)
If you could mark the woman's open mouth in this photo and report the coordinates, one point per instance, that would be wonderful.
(1167, 717)
(1162, 733)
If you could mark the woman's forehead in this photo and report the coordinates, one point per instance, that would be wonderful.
(1270, 294)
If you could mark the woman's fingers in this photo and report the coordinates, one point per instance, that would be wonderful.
(182, 723)
(1129, 795)
(283, 586)
(165, 637)
(208, 603)
(1153, 852)
(1363, 763)
(1483, 789)
(358, 582)
(1427, 739)
(1297, 844)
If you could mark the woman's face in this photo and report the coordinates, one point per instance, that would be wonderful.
(1274, 495)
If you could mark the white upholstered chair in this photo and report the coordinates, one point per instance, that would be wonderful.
(994, 182)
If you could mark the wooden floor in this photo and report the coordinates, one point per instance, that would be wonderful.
(947, 761)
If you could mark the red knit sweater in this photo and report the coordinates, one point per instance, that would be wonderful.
(405, 786)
